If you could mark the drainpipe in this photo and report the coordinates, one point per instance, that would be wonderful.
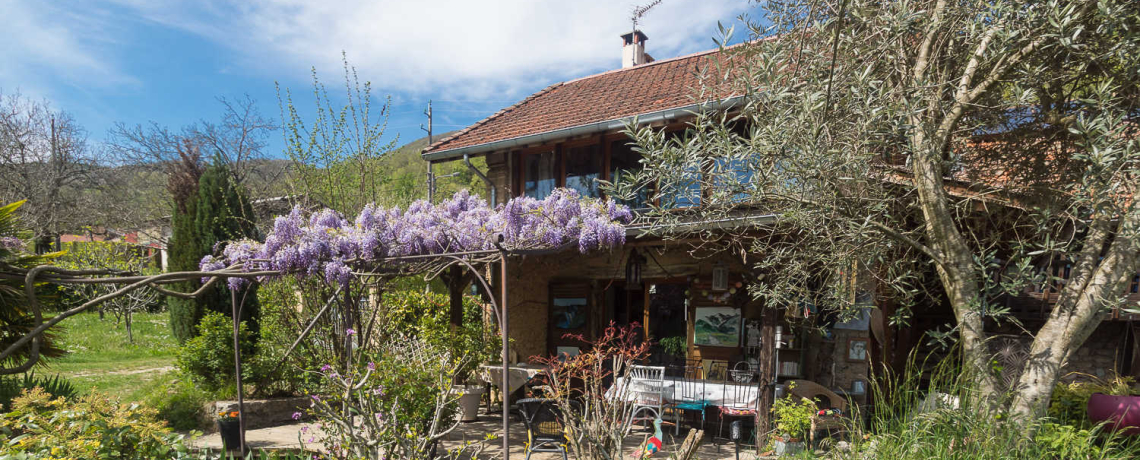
(467, 161)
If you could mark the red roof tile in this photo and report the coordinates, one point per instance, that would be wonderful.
(611, 95)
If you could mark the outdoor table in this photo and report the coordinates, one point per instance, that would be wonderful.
(716, 393)
(518, 375)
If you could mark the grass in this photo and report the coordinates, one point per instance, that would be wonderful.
(101, 358)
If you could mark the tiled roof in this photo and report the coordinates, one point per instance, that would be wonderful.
(613, 95)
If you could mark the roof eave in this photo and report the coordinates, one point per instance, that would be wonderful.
(590, 128)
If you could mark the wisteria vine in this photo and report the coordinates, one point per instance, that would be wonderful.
(328, 244)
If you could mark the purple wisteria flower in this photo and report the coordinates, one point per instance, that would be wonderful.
(11, 243)
(296, 416)
(326, 368)
(326, 244)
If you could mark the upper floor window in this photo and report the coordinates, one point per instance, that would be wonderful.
(539, 175)
(584, 167)
(623, 163)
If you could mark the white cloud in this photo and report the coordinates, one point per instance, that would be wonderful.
(48, 44)
(453, 48)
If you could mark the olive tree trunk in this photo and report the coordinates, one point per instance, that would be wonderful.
(1096, 285)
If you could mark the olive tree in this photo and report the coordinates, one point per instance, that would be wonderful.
(978, 141)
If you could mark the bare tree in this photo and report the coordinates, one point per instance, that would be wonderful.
(149, 155)
(45, 158)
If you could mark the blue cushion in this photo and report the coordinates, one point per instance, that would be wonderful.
(696, 405)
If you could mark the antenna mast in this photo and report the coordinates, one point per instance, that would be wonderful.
(638, 13)
(430, 172)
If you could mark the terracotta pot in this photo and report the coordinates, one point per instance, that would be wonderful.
(1121, 412)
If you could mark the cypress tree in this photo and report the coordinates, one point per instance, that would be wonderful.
(184, 256)
(216, 211)
(224, 213)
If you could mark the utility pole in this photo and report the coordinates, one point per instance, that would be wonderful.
(430, 173)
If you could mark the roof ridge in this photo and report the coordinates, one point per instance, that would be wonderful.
(493, 116)
(650, 64)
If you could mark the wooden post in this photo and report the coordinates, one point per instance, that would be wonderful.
(767, 371)
(455, 284)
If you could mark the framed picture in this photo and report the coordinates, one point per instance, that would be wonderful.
(717, 326)
(858, 349)
(569, 313)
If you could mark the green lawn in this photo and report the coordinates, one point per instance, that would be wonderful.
(100, 357)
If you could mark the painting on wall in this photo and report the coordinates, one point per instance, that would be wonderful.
(717, 326)
(857, 349)
(569, 313)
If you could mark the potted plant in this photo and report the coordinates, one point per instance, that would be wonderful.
(230, 428)
(792, 418)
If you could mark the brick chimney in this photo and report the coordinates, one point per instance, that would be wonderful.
(633, 49)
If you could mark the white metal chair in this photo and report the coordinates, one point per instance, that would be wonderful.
(647, 390)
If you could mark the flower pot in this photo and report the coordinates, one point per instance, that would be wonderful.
(1122, 412)
(469, 398)
(231, 434)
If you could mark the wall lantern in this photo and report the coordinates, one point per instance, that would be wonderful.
(633, 267)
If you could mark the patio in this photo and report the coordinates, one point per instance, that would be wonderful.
(287, 436)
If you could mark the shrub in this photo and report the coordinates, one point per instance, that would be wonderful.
(675, 346)
(397, 407)
(584, 386)
(181, 404)
(792, 416)
(415, 313)
(209, 358)
(1069, 403)
(13, 386)
(91, 427)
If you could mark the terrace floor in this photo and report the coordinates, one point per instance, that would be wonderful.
(288, 437)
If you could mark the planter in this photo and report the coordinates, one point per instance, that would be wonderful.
(1121, 412)
(469, 398)
(788, 446)
(231, 433)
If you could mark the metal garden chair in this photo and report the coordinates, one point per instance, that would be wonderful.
(739, 401)
(545, 431)
(689, 395)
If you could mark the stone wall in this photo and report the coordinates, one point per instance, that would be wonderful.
(264, 413)
(1101, 355)
(827, 360)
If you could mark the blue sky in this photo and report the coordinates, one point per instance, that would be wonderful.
(136, 61)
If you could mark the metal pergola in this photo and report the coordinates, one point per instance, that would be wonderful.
(429, 265)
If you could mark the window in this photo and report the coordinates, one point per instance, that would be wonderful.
(1135, 288)
(539, 178)
(623, 162)
(733, 177)
(584, 166)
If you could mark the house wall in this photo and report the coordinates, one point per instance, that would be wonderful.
(1102, 355)
(530, 278)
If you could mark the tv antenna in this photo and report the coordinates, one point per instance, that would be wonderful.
(640, 11)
